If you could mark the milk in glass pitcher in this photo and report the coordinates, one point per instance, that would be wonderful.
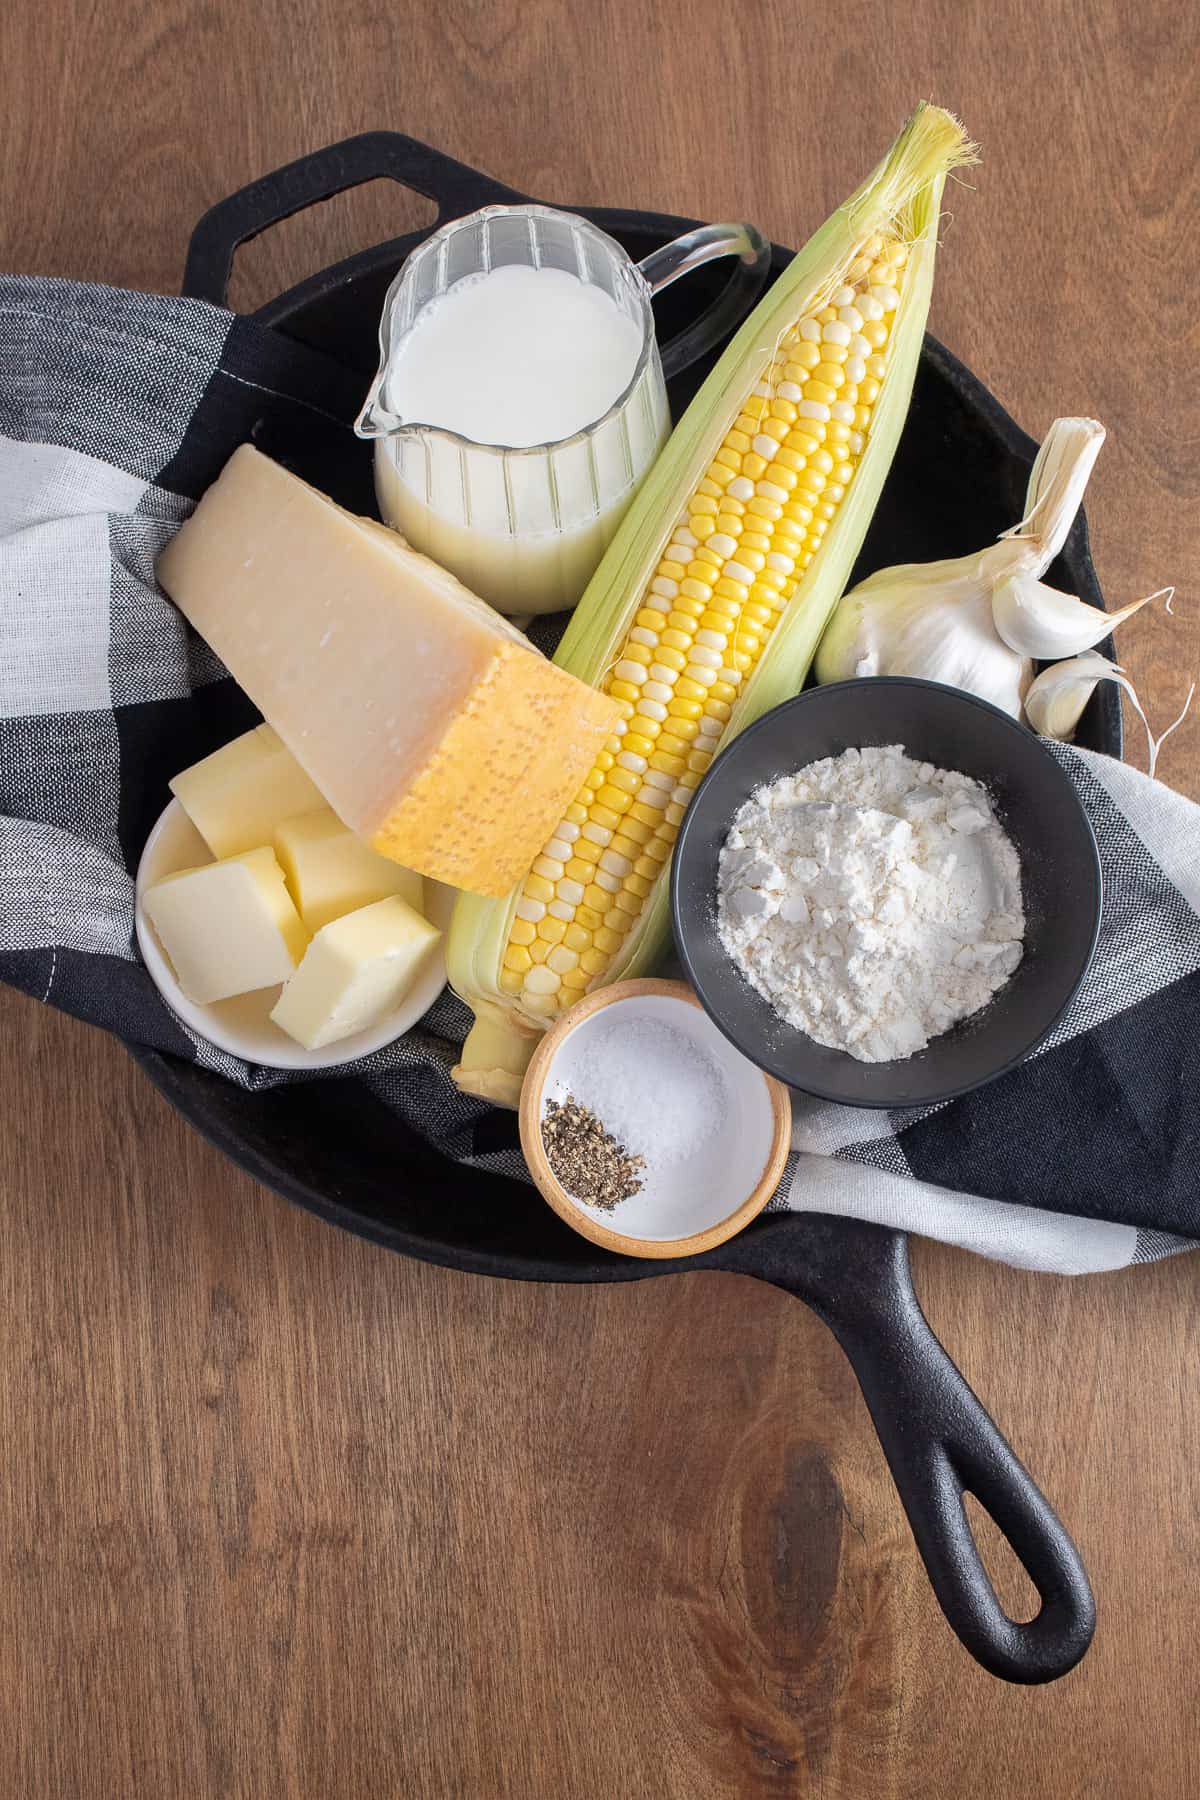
(520, 397)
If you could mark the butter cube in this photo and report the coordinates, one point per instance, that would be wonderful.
(354, 972)
(227, 927)
(237, 796)
(329, 871)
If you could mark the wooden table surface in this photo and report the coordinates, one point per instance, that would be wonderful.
(282, 1514)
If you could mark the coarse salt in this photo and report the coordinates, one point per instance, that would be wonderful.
(651, 1087)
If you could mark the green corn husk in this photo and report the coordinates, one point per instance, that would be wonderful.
(903, 194)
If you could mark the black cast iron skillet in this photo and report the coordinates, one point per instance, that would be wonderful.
(960, 446)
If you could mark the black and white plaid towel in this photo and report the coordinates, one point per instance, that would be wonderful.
(116, 412)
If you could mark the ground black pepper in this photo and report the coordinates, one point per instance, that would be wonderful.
(589, 1162)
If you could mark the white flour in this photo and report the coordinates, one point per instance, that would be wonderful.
(873, 900)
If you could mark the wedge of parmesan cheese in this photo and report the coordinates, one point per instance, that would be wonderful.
(429, 723)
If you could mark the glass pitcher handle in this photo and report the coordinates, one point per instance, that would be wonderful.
(731, 305)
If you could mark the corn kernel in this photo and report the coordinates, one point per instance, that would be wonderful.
(623, 690)
(684, 730)
(574, 980)
(518, 958)
(540, 949)
(511, 982)
(607, 940)
(593, 961)
(551, 929)
(538, 888)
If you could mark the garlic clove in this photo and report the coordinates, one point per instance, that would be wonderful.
(1055, 701)
(1039, 621)
(1056, 698)
(1055, 492)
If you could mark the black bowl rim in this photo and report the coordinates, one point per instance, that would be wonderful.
(686, 928)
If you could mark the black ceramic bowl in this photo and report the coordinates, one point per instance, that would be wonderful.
(1060, 875)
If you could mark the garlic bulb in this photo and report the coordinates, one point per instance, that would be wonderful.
(932, 620)
(1055, 701)
(937, 620)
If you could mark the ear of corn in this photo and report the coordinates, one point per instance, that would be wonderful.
(708, 606)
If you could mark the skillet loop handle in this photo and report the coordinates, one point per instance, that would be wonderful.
(454, 186)
(940, 1443)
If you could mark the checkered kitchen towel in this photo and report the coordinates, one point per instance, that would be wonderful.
(116, 412)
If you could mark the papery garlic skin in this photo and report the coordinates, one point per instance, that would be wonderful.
(928, 620)
(1057, 481)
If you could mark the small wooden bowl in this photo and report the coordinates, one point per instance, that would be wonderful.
(773, 1122)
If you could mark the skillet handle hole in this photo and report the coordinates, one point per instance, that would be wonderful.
(1008, 1575)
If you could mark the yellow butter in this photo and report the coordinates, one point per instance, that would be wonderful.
(237, 796)
(354, 972)
(430, 724)
(329, 871)
(227, 927)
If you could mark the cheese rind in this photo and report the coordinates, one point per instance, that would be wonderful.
(227, 927)
(429, 723)
(237, 796)
(355, 971)
(329, 871)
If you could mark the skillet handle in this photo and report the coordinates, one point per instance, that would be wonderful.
(940, 1443)
(454, 186)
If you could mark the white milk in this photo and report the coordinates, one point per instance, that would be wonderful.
(520, 358)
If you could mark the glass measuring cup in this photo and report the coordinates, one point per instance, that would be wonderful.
(525, 527)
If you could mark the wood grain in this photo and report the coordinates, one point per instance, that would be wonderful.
(284, 1515)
